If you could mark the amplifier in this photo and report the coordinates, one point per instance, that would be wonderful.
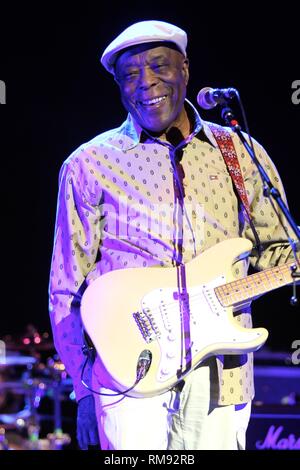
(277, 384)
(274, 427)
(275, 416)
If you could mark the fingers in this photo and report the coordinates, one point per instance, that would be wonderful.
(93, 437)
(87, 429)
(82, 438)
(87, 437)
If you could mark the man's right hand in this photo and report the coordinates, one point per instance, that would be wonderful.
(87, 429)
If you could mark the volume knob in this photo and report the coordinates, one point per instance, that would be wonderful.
(165, 371)
(171, 337)
(171, 354)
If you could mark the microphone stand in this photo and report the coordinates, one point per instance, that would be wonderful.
(269, 189)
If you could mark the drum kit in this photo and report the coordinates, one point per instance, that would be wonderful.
(32, 381)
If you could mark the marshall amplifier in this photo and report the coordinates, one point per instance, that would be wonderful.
(275, 416)
(277, 384)
(274, 427)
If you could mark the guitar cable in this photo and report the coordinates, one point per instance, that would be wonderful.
(143, 365)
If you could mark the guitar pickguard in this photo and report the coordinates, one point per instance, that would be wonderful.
(163, 309)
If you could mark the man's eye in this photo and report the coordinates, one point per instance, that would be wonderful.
(131, 74)
(160, 66)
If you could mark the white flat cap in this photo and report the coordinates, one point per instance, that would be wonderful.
(141, 33)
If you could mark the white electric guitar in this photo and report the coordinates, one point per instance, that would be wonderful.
(143, 312)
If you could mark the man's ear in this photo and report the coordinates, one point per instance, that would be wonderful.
(116, 80)
(185, 69)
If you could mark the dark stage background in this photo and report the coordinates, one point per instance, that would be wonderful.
(58, 96)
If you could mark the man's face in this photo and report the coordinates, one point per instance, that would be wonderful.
(153, 84)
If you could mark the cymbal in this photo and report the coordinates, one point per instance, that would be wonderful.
(12, 419)
(17, 361)
(15, 442)
(17, 387)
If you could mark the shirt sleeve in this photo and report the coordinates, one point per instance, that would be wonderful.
(76, 244)
(264, 211)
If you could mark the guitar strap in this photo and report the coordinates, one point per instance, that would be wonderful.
(226, 146)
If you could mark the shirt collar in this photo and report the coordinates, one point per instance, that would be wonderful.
(132, 132)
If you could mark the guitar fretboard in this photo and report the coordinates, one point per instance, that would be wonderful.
(254, 285)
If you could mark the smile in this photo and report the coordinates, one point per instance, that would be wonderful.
(153, 101)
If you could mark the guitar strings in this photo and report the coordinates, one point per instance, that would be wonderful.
(229, 286)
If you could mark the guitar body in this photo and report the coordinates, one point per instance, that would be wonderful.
(131, 310)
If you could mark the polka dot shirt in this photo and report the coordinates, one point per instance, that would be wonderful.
(116, 209)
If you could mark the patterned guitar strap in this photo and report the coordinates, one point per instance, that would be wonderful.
(226, 146)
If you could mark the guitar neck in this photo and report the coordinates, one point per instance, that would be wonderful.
(252, 286)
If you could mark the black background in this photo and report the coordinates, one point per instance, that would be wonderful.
(58, 96)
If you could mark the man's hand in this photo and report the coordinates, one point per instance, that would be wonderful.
(87, 430)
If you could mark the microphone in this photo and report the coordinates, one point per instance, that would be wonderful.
(208, 97)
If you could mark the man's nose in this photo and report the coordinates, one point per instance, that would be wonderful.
(147, 78)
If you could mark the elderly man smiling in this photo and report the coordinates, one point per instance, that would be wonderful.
(165, 160)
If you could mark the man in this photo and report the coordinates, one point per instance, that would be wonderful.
(165, 161)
